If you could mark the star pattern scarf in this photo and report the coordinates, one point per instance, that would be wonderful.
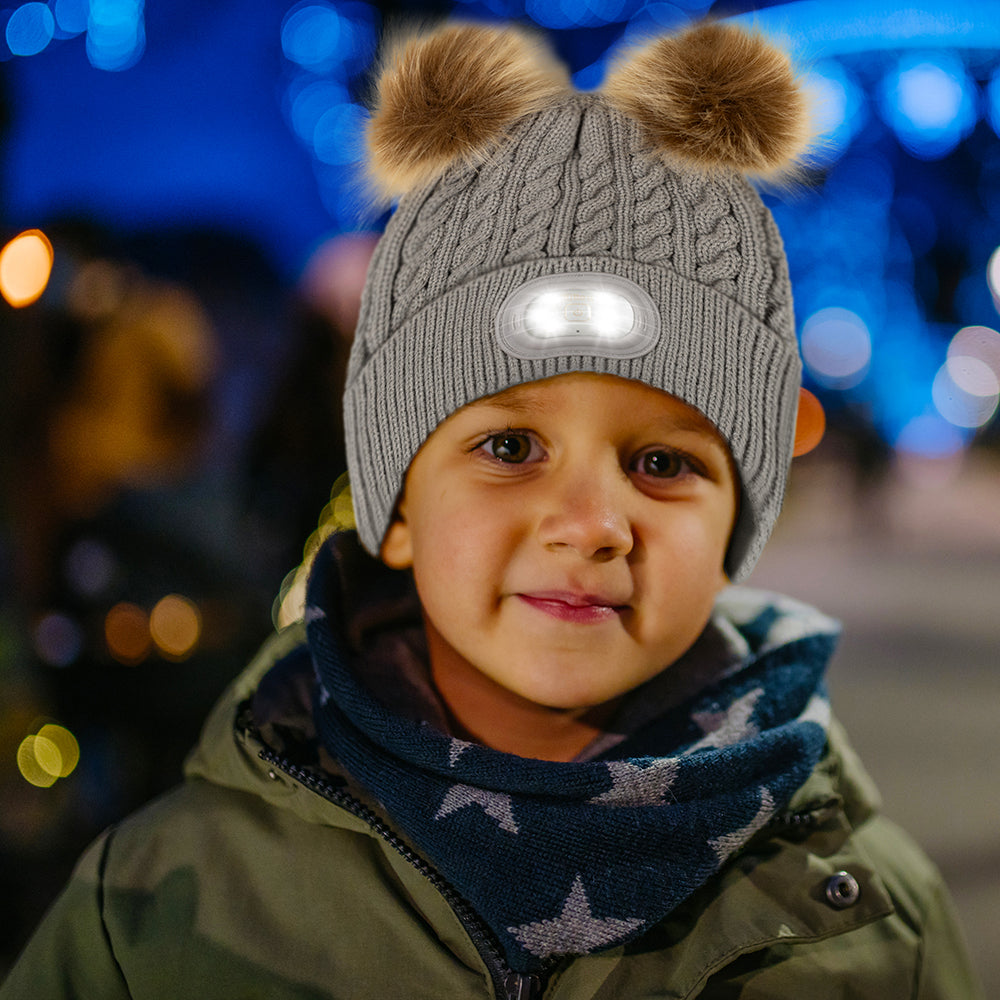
(571, 858)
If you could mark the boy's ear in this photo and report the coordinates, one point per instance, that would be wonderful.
(396, 550)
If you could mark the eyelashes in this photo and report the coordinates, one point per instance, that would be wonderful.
(662, 463)
(517, 447)
(512, 447)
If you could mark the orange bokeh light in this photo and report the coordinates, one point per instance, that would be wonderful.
(25, 268)
(810, 424)
(126, 631)
(175, 624)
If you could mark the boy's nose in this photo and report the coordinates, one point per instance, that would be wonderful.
(587, 514)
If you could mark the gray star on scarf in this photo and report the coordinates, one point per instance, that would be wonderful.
(494, 804)
(575, 931)
(730, 842)
(455, 750)
(732, 725)
(638, 786)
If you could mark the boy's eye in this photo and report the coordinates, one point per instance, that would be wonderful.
(661, 464)
(509, 447)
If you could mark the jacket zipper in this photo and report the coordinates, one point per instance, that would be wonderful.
(509, 985)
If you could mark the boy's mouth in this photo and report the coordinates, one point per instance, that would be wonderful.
(574, 607)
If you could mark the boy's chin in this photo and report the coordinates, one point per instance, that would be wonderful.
(573, 703)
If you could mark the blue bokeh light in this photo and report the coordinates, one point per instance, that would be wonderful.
(72, 16)
(565, 14)
(30, 29)
(556, 14)
(929, 101)
(116, 34)
(337, 139)
(313, 35)
(307, 100)
(327, 39)
(653, 18)
(610, 11)
(839, 107)
(327, 44)
(359, 23)
(929, 436)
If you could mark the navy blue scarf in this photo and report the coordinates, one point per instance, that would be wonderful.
(570, 858)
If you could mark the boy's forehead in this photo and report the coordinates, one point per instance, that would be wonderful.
(542, 396)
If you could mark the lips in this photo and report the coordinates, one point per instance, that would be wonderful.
(572, 606)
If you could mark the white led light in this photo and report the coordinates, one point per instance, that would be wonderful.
(585, 313)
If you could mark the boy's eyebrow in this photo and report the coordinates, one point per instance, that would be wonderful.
(519, 397)
(688, 422)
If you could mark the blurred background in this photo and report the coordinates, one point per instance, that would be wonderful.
(183, 244)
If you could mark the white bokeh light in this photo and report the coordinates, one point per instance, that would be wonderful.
(993, 276)
(836, 347)
(929, 96)
(966, 392)
(979, 342)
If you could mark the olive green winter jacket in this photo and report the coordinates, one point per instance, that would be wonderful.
(248, 882)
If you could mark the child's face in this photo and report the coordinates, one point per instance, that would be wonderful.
(566, 536)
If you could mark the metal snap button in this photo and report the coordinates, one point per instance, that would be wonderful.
(842, 890)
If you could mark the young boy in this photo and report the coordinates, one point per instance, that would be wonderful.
(538, 747)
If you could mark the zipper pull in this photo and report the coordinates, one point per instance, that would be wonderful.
(520, 987)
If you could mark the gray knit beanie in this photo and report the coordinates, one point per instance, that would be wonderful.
(626, 211)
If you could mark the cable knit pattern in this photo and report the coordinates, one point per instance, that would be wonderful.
(487, 212)
(653, 222)
(717, 243)
(420, 260)
(546, 152)
(539, 194)
(596, 212)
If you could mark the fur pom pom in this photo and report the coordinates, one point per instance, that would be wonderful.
(715, 98)
(450, 96)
